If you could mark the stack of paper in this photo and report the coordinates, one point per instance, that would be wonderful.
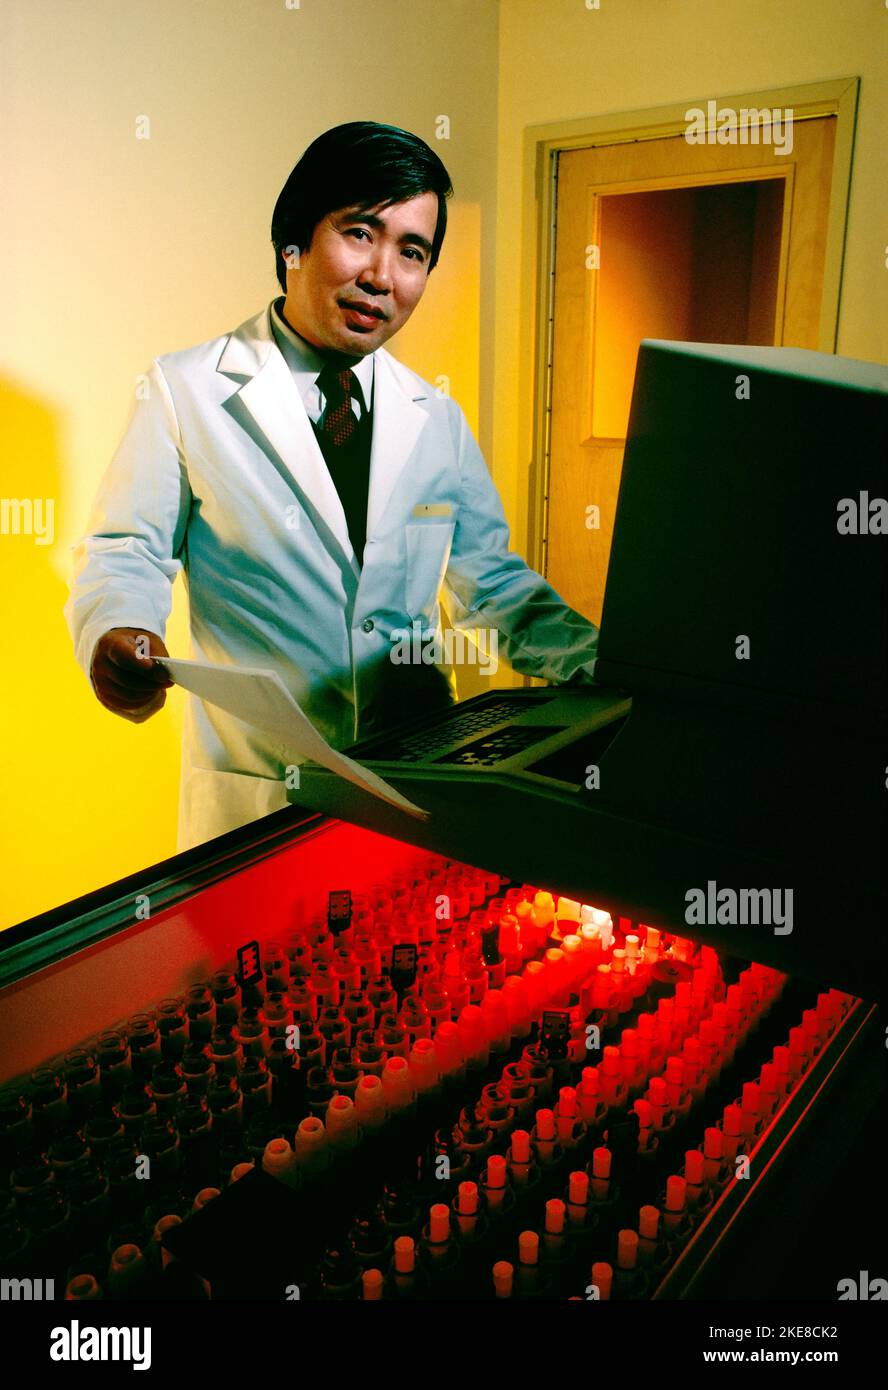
(260, 698)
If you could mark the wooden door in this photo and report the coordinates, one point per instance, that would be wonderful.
(665, 239)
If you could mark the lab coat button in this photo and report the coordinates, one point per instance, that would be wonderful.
(368, 625)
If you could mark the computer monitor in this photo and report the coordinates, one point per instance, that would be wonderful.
(750, 549)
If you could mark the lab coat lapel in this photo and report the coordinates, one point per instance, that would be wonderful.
(397, 424)
(278, 423)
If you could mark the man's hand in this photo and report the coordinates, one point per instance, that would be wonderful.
(125, 678)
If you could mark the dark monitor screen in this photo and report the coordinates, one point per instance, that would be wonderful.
(749, 509)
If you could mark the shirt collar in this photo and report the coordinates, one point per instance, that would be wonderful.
(306, 362)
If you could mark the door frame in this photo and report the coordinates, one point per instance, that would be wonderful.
(542, 146)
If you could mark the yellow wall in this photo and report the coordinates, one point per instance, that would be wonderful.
(115, 250)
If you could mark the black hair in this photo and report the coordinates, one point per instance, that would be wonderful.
(360, 164)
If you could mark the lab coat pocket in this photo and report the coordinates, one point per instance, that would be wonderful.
(428, 552)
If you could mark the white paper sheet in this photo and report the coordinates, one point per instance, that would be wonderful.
(259, 697)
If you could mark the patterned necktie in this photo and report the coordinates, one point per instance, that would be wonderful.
(339, 422)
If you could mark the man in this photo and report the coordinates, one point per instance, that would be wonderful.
(315, 493)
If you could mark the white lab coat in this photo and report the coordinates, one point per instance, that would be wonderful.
(219, 474)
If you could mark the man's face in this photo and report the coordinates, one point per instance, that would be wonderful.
(378, 259)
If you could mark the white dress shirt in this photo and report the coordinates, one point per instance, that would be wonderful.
(306, 363)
